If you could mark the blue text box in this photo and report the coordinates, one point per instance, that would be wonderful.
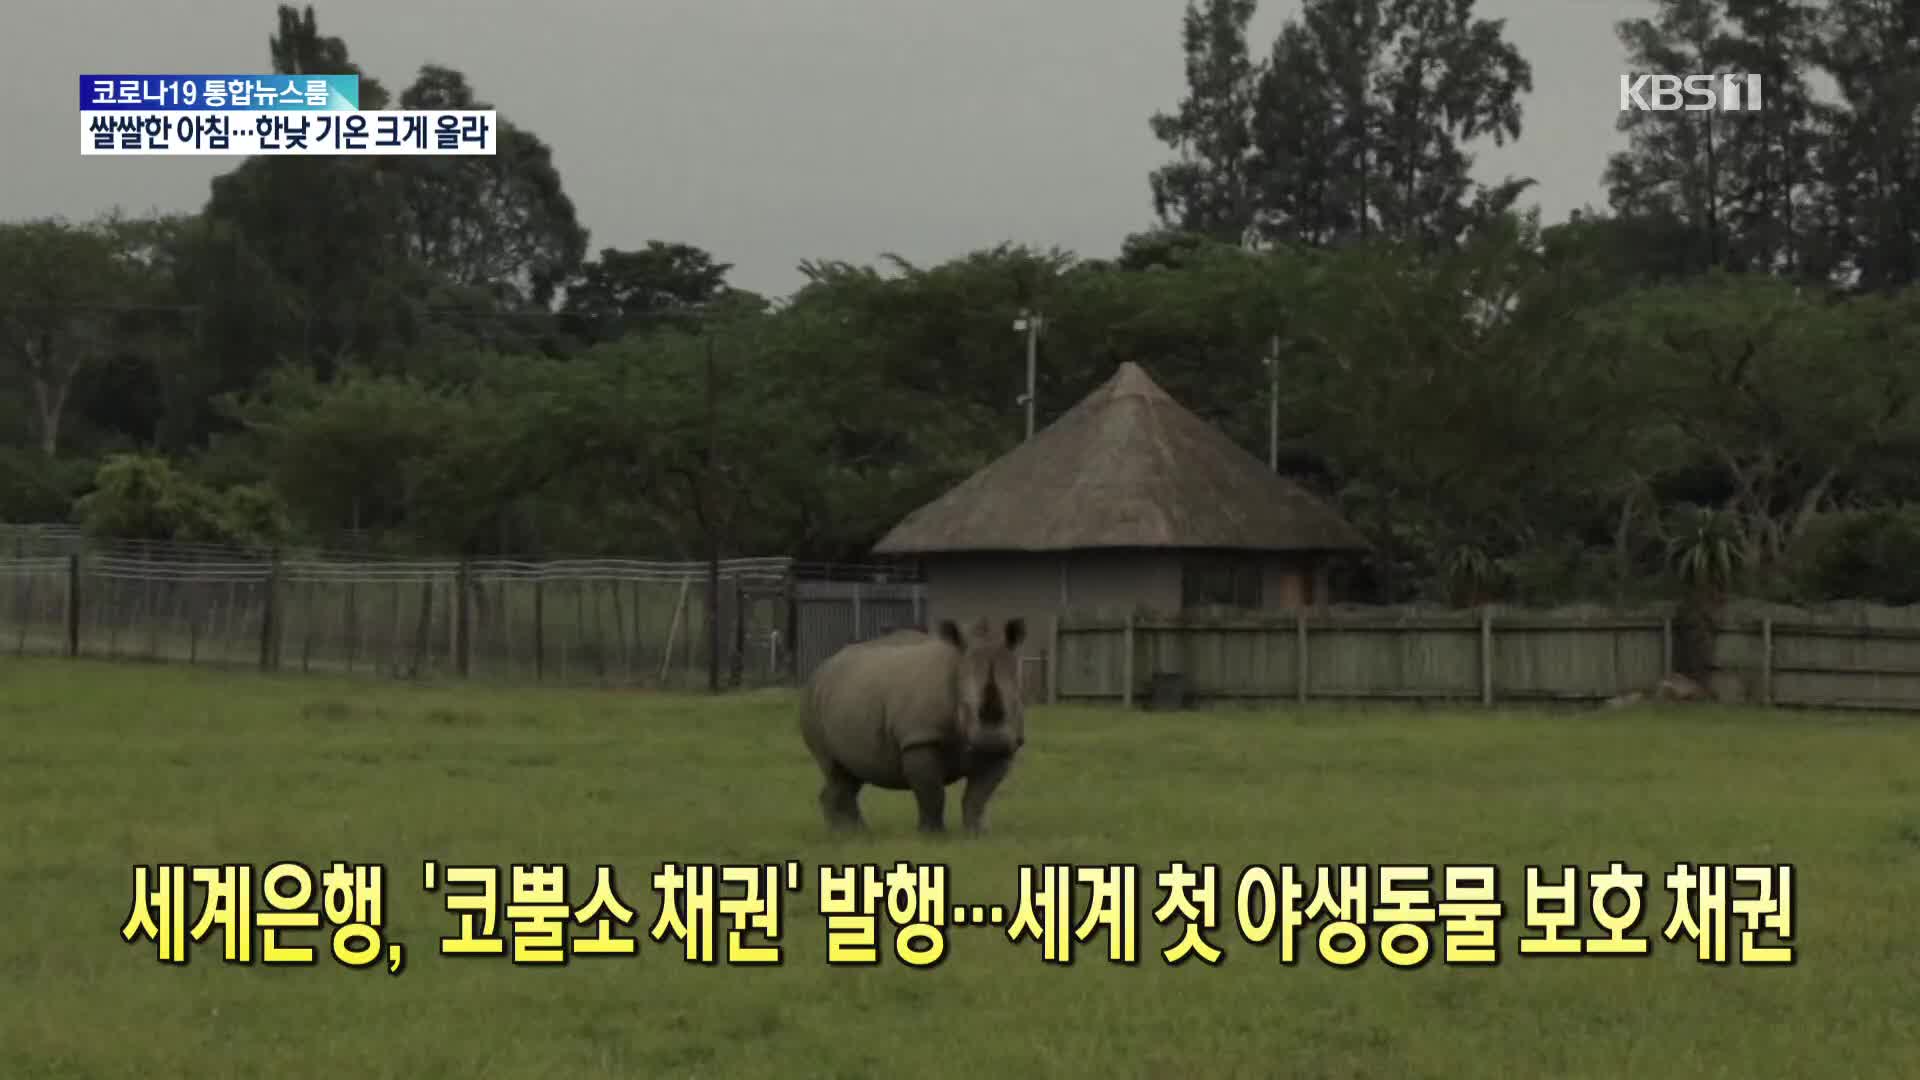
(219, 93)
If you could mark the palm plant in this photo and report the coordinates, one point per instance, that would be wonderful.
(1473, 577)
(1706, 553)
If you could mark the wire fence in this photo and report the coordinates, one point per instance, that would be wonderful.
(626, 622)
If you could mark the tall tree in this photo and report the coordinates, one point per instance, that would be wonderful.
(1297, 131)
(1673, 165)
(1779, 212)
(1364, 113)
(373, 253)
(501, 224)
(1743, 184)
(1208, 189)
(324, 226)
(1871, 50)
(60, 286)
(298, 48)
(149, 380)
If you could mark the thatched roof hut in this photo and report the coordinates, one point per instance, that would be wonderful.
(1128, 500)
(1128, 467)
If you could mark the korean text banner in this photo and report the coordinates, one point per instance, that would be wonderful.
(218, 93)
(387, 131)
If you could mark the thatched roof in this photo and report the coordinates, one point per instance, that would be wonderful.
(1128, 467)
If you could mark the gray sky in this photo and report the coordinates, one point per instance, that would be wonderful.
(771, 131)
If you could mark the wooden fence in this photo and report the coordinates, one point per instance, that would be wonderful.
(1861, 657)
(624, 622)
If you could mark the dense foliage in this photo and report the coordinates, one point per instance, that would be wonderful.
(1709, 386)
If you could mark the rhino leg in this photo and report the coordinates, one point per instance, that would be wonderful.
(926, 770)
(840, 798)
(980, 788)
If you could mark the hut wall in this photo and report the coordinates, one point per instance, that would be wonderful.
(1038, 586)
(1280, 581)
(1293, 581)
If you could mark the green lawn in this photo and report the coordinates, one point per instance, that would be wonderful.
(106, 766)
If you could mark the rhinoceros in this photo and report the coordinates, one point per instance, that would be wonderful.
(913, 711)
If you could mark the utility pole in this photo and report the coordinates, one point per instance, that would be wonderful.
(1273, 404)
(713, 529)
(1030, 323)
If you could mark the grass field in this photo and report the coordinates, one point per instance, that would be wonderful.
(110, 765)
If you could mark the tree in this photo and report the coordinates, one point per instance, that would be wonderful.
(1615, 253)
(1871, 50)
(1297, 136)
(659, 286)
(224, 317)
(365, 249)
(1202, 322)
(298, 48)
(1208, 189)
(1362, 114)
(945, 332)
(1469, 411)
(1743, 183)
(324, 228)
(502, 224)
(1780, 391)
(1159, 248)
(348, 453)
(60, 288)
(1779, 210)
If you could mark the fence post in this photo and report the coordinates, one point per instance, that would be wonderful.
(1766, 660)
(540, 625)
(1300, 673)
(1486, 654)
(1666, 645)
(737, 662)
(856, 611)
(1126, 664)
(423, 630)
(269, 612)
(462, 627)
(73, 604)
(793, 626)
(1053, 660)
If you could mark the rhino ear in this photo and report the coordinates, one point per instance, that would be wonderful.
(950, 633)
(1016, 632)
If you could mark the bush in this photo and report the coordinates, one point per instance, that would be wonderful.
(36, 489)
(143, 497)
(1860, 555)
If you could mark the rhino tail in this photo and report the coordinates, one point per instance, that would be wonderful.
(810, 731)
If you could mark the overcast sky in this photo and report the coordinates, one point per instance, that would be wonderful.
(771, 131)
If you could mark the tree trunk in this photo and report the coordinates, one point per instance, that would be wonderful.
(49, 403)
(1695, 627)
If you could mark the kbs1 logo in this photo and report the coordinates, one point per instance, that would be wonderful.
(1690, 93)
